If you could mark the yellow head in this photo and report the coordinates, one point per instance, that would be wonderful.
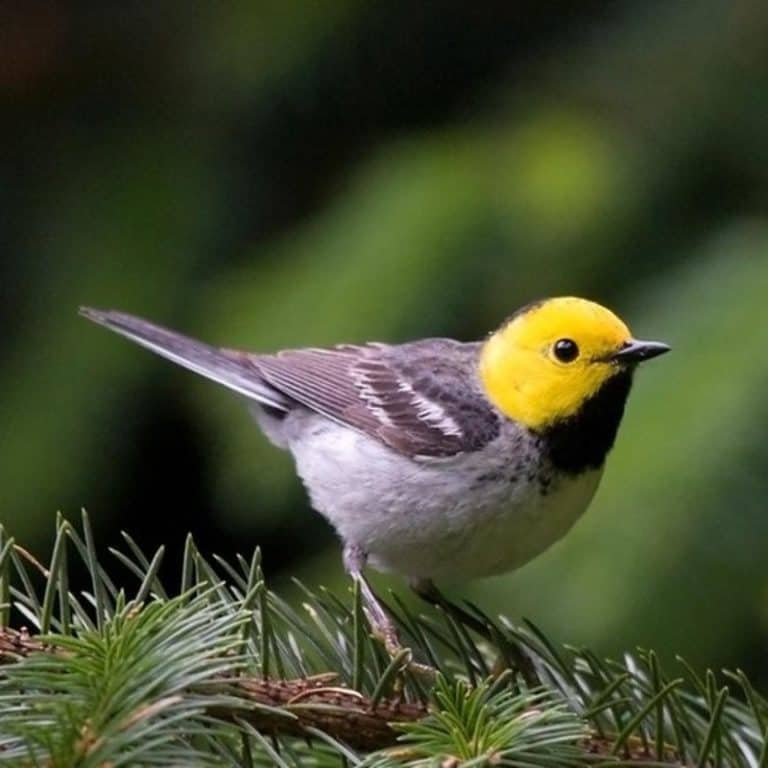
(544, 364)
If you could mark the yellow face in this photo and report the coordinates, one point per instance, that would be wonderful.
(543, 365)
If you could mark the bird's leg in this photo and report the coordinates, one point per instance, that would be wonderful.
(381, 624)
(518, 659)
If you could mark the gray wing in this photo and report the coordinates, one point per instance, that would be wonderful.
(421, 399)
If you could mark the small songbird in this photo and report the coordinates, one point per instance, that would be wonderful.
(438, 459)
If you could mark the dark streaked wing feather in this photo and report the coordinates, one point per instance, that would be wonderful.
(419, 398)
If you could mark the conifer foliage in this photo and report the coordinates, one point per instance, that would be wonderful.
(220, 671)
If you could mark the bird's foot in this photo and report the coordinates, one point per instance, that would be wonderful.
(384, 630)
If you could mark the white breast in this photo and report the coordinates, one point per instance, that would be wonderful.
(455, 518)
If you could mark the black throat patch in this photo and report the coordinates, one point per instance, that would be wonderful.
(582, 441)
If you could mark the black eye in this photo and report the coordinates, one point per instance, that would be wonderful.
(566, 350)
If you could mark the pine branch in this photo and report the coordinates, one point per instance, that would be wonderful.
(214, 675)
(299, 707)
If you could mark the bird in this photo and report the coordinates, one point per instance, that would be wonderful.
(437, 459)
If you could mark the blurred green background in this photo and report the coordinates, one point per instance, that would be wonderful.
(266, 174)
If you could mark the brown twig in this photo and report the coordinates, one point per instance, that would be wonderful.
(14, 644)
(294, 706)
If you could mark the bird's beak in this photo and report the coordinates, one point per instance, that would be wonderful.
(634, 351)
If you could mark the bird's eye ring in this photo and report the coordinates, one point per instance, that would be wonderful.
(566, 350)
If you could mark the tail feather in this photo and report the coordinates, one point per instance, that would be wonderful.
(236, 372)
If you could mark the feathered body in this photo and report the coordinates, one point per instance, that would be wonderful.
(466, 516)
(434, 482)
(436, 459)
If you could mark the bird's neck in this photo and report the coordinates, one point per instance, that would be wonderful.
(583, 440)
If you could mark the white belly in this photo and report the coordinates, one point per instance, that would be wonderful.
(443, 519)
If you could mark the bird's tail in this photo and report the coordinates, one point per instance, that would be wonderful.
(236, 371)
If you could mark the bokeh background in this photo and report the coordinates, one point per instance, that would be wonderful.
(267, 174)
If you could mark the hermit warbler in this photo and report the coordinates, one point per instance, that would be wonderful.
(438, 459)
